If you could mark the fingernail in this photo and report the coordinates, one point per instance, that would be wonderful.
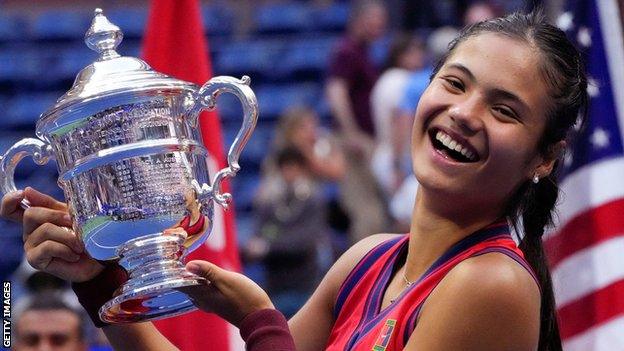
(19, 193)
(193, 267)
(67, 218)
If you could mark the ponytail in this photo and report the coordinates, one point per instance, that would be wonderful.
(535, 210)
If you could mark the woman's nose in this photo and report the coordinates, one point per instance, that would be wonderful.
(467, 116)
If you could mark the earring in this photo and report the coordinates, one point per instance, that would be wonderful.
(536, 179)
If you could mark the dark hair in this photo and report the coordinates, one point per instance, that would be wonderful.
(401, 45)
(533, 204)
(290, 155)
(51, 301)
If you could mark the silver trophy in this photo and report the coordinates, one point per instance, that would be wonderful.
(134, 171)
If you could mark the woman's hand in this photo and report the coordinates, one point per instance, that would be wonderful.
(230, 295)
(50, 245)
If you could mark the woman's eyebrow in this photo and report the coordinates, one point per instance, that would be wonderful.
(464, 69)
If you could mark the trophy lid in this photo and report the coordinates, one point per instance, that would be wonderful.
(111, 74)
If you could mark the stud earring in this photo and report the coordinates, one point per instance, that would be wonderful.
(536, 179)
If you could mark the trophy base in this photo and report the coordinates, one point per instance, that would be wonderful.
(155, 275)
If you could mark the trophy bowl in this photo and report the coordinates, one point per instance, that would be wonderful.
(134, 171)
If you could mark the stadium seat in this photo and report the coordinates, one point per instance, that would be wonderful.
(275, 99)
(331, 18)
(131, 20)
(256, 58)
(306, 59)
(61, 24)
(12, 27)
(23, 110)
(289, 17)
(218, 20)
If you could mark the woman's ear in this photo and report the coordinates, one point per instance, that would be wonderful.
(548, 161)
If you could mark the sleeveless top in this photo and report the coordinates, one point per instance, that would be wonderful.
(360, 324)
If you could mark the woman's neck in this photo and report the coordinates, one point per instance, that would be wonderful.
(436, 226)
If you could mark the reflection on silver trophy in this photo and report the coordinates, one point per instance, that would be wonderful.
(134, 170)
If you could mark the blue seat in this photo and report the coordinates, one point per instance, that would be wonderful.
(257, 146)
(256, 58)
(61, 24)
(306, 59)
(218, 20)
(12, 27)
(244, 190)
(20, 63)
(23, 110)
(273, 100)
(333, 17)
(131, 20)
(284, 17)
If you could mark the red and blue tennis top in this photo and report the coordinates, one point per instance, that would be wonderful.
(360, 322)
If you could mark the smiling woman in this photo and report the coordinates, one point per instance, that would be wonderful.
(486, 141)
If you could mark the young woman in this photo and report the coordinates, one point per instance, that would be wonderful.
(488, 134)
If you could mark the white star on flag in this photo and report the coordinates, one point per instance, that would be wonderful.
(565, 21)
(592, 87)
(600, 138)
(584, 36)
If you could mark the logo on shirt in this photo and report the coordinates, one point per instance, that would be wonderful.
(384, 337)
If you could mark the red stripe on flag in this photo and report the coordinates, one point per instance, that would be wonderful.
(585, 230)
(591, 310)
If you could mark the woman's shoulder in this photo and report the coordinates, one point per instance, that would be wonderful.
(347, 262)
(490, 290)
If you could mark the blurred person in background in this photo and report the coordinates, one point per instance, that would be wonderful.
(350, 80)
(407, 54)
(404, 194)
(291, 230)
(479, 11)
(46, 322)
(299, 128)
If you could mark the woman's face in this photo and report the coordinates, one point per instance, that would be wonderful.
(488, 103)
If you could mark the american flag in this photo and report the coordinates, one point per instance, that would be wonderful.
(586, 251)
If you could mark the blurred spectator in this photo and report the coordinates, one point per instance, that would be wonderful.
(46, 322)
(299, 128)
(406, 55)
(291, 229)
(350, 80)
(402, 200)
(352, 75)
(479, 11)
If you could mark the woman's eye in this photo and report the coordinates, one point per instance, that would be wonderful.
(506, 112)
(454, 83)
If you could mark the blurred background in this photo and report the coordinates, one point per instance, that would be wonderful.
(309, 185)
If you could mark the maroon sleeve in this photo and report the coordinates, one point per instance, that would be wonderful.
(96, 292)
(266, 330)
(343, 63)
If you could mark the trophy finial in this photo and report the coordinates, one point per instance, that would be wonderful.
(103, 36)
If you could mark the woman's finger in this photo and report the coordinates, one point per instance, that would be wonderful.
(39, 199)
(49, 231)
(40, 256)
(34, 217)
(10, 207)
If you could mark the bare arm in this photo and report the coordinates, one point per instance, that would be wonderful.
(337, 93)
(487, 303)
(138, 336)
(311, 326)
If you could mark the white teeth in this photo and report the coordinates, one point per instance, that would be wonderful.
(447, 141)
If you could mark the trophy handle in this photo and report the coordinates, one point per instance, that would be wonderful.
(207, 96)
(39, 150)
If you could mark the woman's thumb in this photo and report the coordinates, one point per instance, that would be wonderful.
(206, 270)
